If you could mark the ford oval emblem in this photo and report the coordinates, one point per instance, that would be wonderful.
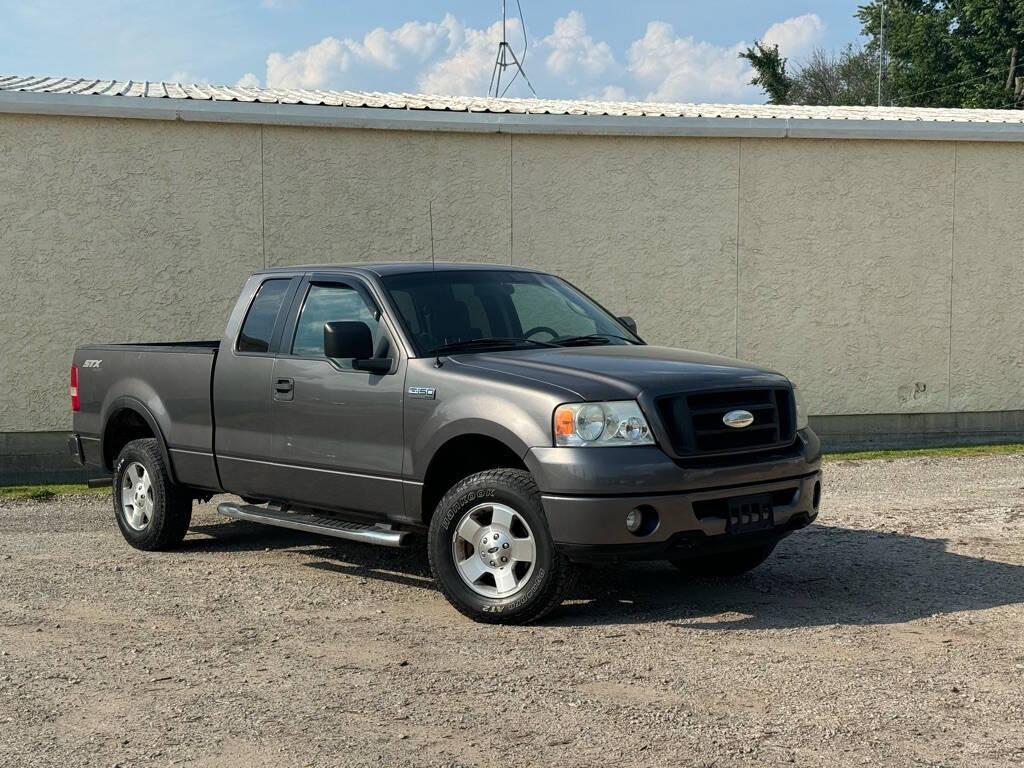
(738, 419)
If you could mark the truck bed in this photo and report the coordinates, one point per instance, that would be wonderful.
(169, 381)
(159, 346)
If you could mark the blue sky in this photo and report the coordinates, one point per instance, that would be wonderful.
(642, 49)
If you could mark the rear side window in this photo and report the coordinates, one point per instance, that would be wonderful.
(258, 328)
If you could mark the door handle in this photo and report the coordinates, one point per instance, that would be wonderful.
(284, 386)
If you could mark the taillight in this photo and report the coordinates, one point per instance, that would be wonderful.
(75, 404)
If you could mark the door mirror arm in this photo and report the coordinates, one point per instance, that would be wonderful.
(379, 365)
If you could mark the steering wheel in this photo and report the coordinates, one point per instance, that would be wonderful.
(541, 329)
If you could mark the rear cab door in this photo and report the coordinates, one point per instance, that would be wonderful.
(242, 383)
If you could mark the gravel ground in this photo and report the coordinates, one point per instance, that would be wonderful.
(890, 633)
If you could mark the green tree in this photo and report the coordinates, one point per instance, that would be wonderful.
(950, 53)
(770, 72)
(847, 79)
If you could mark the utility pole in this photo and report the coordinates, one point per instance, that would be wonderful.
(881, 54)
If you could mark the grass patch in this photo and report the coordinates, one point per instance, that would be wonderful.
(939, 451)
(46, 492)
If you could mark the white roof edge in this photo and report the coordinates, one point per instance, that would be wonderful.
(257, 113)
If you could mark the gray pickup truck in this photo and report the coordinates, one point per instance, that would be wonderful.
(499, 410)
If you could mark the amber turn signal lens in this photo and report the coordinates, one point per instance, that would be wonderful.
(563, 422)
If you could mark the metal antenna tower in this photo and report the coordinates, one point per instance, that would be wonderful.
(505, 52)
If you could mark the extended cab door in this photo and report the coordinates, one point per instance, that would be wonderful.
(242, 383)
(338, 438)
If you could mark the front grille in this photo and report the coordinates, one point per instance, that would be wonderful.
(694, 421)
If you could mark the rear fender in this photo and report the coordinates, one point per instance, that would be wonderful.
(131, 403)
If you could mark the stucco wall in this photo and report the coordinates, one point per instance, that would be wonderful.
(647, 226)
(883, 276)
(844, 270)
(987, 332)
(115, 230)
(349, 195)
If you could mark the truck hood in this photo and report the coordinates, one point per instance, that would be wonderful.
(624, 371)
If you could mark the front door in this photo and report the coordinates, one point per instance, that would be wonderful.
(338, 439)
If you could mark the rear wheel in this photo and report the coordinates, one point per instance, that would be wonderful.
(726, 563)
(152, 512)
(491, 552)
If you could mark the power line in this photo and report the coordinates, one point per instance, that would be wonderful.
(881, 53)
(953, 85)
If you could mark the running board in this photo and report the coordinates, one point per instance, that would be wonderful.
(328, 526)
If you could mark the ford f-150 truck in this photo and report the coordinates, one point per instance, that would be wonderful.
(499, 410)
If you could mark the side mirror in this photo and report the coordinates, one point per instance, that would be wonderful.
(351, 339)
(347, 339)
(629, 322)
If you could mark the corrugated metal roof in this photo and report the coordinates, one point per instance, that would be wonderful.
(161, 90)
(402, 111)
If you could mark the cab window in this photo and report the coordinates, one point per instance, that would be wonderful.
(258, 328)
(328, 304)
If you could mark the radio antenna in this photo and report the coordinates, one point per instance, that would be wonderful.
(430, 215)
(505, 53)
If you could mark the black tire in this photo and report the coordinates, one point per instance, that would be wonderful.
(552, 574)
(727, 563)
(171, 511)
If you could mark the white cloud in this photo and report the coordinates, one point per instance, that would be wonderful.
(447, 57)
(248, 80)
(795, 36)
(467, 68)
(675, 68)
(573, 52)
(319, 65)
(684, 69)
(610, 93)
(311, 67)
(184, 76)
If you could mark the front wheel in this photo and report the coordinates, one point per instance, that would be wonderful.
(725, 564)
(491, 552)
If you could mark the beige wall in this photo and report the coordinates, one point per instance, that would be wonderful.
(844, 270)
(115, 230)
(883, 276)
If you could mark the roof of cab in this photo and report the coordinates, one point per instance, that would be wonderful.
(396, 268)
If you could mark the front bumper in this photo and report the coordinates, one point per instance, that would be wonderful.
(587, 494)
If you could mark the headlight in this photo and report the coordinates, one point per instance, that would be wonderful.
(801, 409)
(620, 422)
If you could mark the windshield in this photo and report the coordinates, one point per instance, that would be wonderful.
(476, 310)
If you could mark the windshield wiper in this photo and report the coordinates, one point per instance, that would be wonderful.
(498, 342)
(590, 338)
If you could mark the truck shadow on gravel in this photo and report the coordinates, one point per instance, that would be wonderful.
(407, 566)
(822, 575)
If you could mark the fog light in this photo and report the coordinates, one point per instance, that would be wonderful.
(634, 520)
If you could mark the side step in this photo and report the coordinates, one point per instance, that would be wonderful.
(328, 526)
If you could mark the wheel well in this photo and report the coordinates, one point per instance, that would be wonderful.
(122, 427)
(461, 457)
